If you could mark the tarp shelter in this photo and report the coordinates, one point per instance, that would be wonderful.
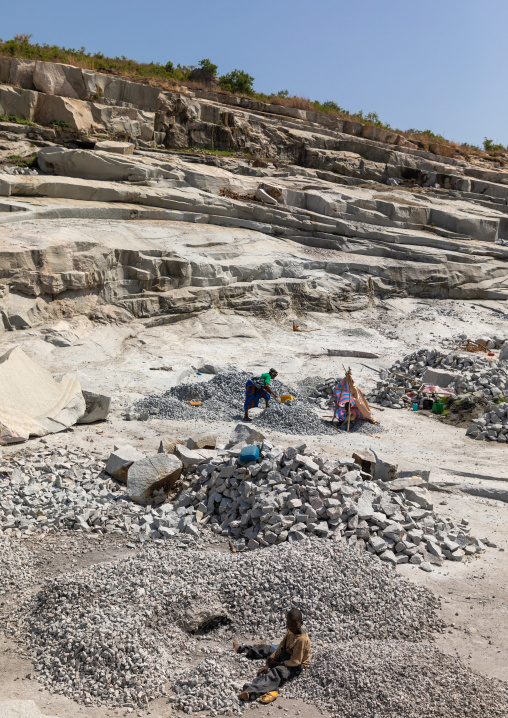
(32, 403)
(349, 403)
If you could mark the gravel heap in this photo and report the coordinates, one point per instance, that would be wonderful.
(394, 679)
(17, 566)
(296, 417)
(67, 489)
(288, 494)
(114, 633)
(475, 374)
(492, 425)
(222, 400)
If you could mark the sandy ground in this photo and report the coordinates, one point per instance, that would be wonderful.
(132, 361)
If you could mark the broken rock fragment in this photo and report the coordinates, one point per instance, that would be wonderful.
(120, 460)
(97, 407)
(439, 377)
(244, 433)
(188, 457)
(202, 441)
(153, 473)
(203, 615)
(169, 444)
(384, 471)
(420, 496)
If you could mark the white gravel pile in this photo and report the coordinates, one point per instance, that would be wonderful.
(222, 399)
(288, 494)
(395, 679)
(474, 374)
(114, 633)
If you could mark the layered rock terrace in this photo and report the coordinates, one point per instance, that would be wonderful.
(308, 213)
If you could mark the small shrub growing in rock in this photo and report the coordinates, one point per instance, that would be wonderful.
(237, 81)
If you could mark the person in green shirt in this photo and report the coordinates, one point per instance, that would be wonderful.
(258, 387)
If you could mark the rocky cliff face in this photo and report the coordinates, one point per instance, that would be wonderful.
(311, 213)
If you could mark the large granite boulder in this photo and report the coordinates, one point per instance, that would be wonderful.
(51, 78)
(76, 114)
(120, 461)
(154, 473)
(17, 102)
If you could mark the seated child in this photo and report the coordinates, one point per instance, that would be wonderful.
(286, 662)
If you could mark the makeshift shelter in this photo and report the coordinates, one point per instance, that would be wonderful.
(349, 403)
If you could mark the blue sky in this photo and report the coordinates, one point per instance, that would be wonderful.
(428, 64)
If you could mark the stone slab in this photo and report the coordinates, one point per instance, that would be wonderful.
(97, 407)
(153, 473)
(439, 377)
(120, 460)
(117, 148)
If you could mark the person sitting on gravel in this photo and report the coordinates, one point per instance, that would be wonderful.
(257, 388)
(283, 664)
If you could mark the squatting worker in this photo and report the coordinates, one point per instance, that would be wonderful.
(283, 664)
(258, 387)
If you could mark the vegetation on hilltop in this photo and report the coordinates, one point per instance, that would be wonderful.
(237, 82)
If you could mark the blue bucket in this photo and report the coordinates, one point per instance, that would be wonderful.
(249, 453)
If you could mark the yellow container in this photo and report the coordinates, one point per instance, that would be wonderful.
(286, 397)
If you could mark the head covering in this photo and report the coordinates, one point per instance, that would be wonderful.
(272, 371)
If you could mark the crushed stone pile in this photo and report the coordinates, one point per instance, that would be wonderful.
(492, 425)
(62, 488)
(469, 373)
(490, 342)
(114, 633)
(393, 679)
(284, 496)
(295, 417)
(222, 399)
(67, 489)
(287, 494)
(17, 566)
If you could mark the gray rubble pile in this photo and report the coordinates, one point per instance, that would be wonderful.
(492, 425)
(114, 633)
(284, 495)
(288, 494)
(222, 399)
(394, 679)
(295, 417)
(17, 566)
(52, 490)
(460, 372)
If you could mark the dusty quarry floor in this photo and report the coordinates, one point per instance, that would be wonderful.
(130, 361)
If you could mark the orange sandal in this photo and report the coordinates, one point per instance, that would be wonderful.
(269, 697)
